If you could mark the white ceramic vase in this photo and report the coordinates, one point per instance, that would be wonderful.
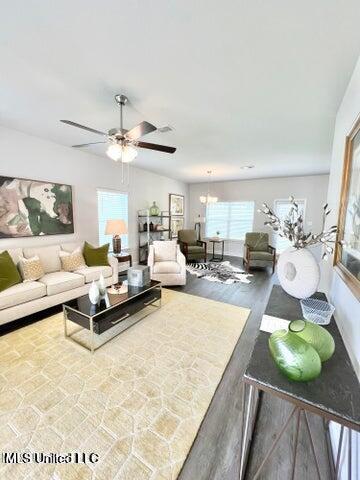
(298, 272)
(94, 294)
(102, 286)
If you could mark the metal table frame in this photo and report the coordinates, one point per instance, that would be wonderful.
(215, 258)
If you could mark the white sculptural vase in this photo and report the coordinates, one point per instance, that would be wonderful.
(102, 286)
(298, 272)
(94, 294)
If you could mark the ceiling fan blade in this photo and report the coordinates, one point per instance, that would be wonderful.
(155, 146)
(74, 124)
(140, 130)
(86, 144)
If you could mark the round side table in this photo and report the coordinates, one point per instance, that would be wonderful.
(121, 258)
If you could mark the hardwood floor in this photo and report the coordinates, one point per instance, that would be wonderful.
(215, 454)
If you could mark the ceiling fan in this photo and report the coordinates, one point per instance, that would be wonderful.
(122, 143)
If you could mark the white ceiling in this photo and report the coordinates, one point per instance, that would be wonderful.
(243, 82)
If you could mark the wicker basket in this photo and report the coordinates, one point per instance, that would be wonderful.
(317, 311)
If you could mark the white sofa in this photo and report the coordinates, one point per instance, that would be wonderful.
(167, 263)
(55, 287)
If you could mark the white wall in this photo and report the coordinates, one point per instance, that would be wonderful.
(347, 306)
(313, 188)
(31, 157)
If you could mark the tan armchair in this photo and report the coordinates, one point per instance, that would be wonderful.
(191, 247)
(258, 252)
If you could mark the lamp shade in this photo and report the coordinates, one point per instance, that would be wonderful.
(115, 227)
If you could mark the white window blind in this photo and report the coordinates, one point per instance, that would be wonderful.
(111, 205)
(231, 219)
(282, 208)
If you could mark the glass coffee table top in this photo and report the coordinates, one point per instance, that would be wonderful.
(85, 307)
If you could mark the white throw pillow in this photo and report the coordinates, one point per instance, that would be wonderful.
(72, 261)
(31, 269)
(165, 251)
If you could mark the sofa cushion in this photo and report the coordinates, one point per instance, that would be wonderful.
(96, 256)
(21, 293)
(166, 267)
(15, 254)
(73, 261)
(93, 273)
(164, 251)
(9, 274)
(71, 246)
(57, 282)
(265, 256)
(31, 269)
(49, 257)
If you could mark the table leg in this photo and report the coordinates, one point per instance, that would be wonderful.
(65, 320)
(273, 446)
(92, 348)
(349, 454)
(339, 452)
(246, 420)
(312, 445)
(222, 251)
(295, 444)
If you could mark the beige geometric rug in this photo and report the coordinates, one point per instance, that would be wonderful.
(137, 402)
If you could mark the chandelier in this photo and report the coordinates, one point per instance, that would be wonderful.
(206, 199)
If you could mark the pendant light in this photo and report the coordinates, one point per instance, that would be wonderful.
(206, 199)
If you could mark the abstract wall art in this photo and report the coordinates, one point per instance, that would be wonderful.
(31, 208)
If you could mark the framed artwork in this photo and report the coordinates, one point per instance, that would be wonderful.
(177, 223)
(176, 204)
(347, 251)
(29, 208)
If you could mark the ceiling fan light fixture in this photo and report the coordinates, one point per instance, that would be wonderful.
(114, 151)
(129, 153)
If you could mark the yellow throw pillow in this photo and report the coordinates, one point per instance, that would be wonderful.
(31, 269)
(72, 261)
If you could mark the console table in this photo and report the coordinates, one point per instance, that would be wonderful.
(334, 395)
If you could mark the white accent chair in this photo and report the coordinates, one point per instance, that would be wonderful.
(167, 263)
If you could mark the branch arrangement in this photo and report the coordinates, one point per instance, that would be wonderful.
(292, 228)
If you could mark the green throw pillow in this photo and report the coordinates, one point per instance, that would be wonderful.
(9, 274)
(96, 256)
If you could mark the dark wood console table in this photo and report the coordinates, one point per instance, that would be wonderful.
(334, 395)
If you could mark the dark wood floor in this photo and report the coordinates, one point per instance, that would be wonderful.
(215, 454)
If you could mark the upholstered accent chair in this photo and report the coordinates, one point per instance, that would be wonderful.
(258, 252)
(167, 263)
(192, 248)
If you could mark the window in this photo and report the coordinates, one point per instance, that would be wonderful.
(231, 219)
(282, 208)
(111, 205)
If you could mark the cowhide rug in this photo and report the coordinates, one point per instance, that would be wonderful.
(222, 272)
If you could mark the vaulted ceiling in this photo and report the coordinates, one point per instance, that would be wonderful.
(242, 82)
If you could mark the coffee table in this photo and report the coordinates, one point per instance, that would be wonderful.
(110, 312)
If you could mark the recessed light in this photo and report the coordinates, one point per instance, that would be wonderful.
(247, 167)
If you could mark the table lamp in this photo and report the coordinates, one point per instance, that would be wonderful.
(116, 228)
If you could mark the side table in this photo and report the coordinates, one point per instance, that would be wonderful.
(217, 258)
(123, 257)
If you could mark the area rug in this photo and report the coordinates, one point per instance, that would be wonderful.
(137, 402)
(222, 272)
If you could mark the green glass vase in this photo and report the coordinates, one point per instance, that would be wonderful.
(317, 336)
(294, 357)
(154, 210)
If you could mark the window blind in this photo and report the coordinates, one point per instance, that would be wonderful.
(111, 205)
(231, 219)
(282, 208)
